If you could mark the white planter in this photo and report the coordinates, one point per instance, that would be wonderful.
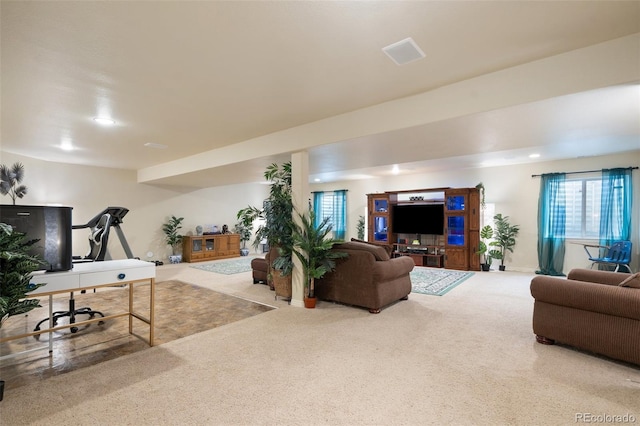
(175, 258)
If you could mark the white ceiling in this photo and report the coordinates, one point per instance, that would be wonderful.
(202, 76)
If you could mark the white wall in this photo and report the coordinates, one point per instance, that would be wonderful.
(89, 190)
(514, 193)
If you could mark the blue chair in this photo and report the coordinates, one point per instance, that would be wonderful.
(618, 254)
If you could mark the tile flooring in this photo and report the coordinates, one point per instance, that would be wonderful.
(180, 310)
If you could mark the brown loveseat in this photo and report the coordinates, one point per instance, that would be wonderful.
(589, 310)
(368, 277)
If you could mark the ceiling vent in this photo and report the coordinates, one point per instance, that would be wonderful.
(404, 51)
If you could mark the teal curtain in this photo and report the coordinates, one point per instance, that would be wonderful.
(615, 203)
(551, 224)
(340, 214)
(318, 207)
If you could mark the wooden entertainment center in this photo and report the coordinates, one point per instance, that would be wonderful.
(199, 248)
(455, 249)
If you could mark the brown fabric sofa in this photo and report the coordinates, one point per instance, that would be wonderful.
(368, 277)
(590, 311)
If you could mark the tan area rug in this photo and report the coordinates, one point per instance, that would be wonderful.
(181, 309)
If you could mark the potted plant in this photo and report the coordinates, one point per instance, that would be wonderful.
(16, 268)
(10, 179)
(486, 234)
(244, 231)
(505, 237)
(277, 229)
(313, 248)
(360, 227)
(173, 238)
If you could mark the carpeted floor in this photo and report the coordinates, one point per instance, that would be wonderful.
(436, 282)
(227, 267)
(181, 309)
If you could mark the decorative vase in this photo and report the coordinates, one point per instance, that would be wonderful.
(175, 258)
(244, 252)
(310, 302)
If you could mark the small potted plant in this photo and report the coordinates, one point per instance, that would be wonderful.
(360, 227)
(173, 238)
(244, 231)
(313, 248)
(505, 237)
(486, 234)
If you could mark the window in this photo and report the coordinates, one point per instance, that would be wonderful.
(334, 206)
(583, 206)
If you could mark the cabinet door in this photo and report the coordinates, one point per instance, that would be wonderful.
(456, 258)
(456, 200)
(455, 231)
(379, 220)
(234, 244)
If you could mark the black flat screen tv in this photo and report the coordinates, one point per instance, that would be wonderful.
(418, 219)
(50, 225)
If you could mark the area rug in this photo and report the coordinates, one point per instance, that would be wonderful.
(181, 309)
(436, 282)
(227, 267)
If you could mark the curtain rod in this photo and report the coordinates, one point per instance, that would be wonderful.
(590, 171)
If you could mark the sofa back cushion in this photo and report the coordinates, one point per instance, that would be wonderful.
(378, 252)
(387, 248)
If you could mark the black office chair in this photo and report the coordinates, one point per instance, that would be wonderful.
(98, 238)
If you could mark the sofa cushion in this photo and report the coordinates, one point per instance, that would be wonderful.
(378, 252)
(632, 281)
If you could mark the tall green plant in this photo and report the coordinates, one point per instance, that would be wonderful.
(505, 237)
(170, 229)
(360, 227)
(277, 211)
(312, 247)
(16, 269)
(10, 178)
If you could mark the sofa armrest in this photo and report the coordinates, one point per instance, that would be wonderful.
(587, 296)
(385, 270)
(600, 277)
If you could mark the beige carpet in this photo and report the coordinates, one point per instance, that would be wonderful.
(467, 358)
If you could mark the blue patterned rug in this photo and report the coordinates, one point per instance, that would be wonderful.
(228, 267)
(436, 282)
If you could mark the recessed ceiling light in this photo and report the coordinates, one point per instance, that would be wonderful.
(534, 155)
(66, 145)
(105, 121)
(395, 170)
(404, 51)
(316, 180)
(155, 145)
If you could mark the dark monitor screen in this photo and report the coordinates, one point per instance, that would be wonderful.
(51, 226)
(418, 219)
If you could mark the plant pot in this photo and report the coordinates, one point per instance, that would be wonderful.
(244, 252)
(281, 284)
(310, 302)
(175, 258)
(485, 267)
(502, 267)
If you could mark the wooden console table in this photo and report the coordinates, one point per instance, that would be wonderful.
(199, 248)
(88, 276)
